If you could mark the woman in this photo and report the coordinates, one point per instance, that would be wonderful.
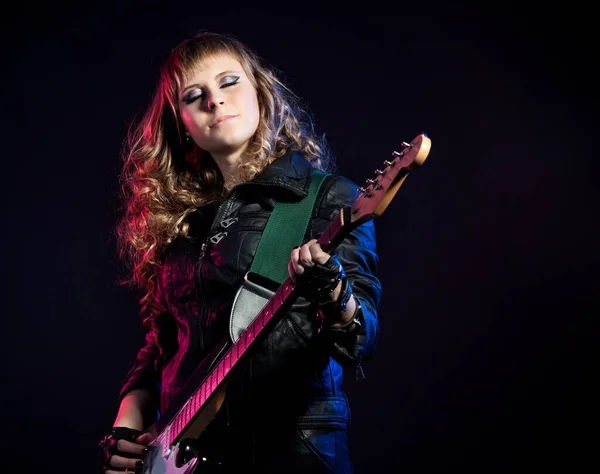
(222, 142)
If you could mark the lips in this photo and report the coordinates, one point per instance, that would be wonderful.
(221, 119)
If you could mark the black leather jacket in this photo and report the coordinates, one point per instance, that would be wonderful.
(298, 370)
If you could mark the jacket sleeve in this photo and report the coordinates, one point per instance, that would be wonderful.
(143, 374)
(357, 253)
(145, 371)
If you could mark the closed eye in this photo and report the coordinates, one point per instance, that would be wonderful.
(193, 95)
(230, 81)
(197, 93)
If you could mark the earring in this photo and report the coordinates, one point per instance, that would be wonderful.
(188, 138)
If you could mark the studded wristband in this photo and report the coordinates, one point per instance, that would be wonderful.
(349, 326)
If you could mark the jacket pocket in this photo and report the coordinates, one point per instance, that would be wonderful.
(322, 444)
(324, 413)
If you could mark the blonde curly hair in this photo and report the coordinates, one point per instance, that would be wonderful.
(164, 178)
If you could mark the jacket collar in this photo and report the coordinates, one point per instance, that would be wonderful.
(291, 172)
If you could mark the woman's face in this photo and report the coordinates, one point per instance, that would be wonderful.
(219, 106)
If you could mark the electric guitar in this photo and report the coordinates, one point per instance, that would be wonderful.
(175, 433)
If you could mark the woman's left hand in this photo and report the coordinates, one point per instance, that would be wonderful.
(317, 281)
(304, 257)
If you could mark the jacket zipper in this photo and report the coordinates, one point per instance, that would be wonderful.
(360, 373)
(203, 307)
(209, 237)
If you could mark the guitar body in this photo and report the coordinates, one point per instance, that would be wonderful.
(157, 463)
(191, 453)
(184, 436)
(186, 457)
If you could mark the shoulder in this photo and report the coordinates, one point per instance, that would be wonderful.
(342, 189)
(336, 192)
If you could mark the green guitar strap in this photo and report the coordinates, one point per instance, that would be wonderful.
(285, 230)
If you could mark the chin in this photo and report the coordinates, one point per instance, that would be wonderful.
(228, 147)
(233, 143)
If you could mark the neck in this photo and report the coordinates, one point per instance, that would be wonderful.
(228, 165)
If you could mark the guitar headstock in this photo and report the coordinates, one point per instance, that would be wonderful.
(379, 191)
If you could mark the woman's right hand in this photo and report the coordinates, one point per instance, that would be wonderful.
(123, 450)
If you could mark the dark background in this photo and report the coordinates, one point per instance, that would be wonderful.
(489, 252)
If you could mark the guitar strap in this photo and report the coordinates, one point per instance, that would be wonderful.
(285, 229)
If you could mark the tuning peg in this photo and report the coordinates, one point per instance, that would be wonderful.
(398, 153)
(407, 145)
(379, 172)
(389, 163)
(364, 191)
(370, 181)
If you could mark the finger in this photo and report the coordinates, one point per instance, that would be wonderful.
(128, 447)
(297, 268)
(291, 272)
(144, 439)
(120, 461)
(305, 256)
(318, 255)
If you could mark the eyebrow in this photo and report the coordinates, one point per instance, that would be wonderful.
(216, 77)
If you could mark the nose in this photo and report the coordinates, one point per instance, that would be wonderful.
(214, 100)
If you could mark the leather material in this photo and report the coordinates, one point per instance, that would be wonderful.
(318, 281)
(295, 375)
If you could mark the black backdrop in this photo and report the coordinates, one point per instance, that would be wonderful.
(489, 252)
